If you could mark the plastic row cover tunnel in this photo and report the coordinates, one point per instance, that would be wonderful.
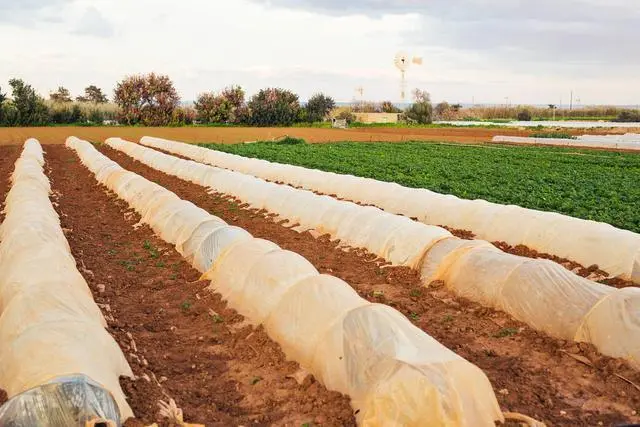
(58, 364)
(625, 142)
(395, 238)
(394, 373)
(541, 293)
(614, 250)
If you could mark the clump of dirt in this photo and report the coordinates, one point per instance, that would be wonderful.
(531, 372)
(181, 340)
(459, 233)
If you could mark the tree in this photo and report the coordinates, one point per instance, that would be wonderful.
(524, 115)
(146, 99)
(388, 107)
(274, 107)
(442, 110)
(93, 94)
(318, 107)
(421, 111)
(62, 95)
(29, 107)
(225, 107)
(3, 96)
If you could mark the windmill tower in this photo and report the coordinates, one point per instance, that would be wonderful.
(402, 63)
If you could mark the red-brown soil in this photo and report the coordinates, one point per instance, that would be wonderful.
(531, 372)
(189, 345)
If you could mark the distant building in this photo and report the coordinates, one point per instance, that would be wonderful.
(339, 123)
(377, 117)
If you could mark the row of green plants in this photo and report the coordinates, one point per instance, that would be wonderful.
(600, 186)
(152, 100)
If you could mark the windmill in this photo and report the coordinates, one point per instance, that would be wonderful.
(402, 63)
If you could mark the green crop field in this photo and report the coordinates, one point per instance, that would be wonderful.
(597, 185)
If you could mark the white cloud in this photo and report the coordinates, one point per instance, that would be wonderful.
(484, 50)
(93, 23)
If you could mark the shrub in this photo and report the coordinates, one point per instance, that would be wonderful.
(65, 114)
(421, 111)
(546, 134)
(146, 99)
(288, 140)
(524, 116)
(225, 107)
(628, 116)
(318, 108)
(274, 107)
(346, 115)
(183, 116)
(388, 107)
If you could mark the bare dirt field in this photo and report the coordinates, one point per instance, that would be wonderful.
(57, 135)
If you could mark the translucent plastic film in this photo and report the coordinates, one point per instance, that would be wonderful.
(50, 327)
(323, 324)
(628, 141)
(614, 250)
(541, 293)
(392, 237)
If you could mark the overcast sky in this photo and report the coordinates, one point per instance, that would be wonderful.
(482, 50)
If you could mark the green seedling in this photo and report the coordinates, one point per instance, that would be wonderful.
(255, 380)
(160, 264)
(186, 305)
(506, 332)
(415, 293)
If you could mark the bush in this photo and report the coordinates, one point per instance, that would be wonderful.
(226, 107)
(524, 116)
(146, 99)
(63, 114)
(560, 135)
(628, 116)
(421, 111)
(183, 116)
(346, 115)
(274, 107)
(288, 140)
(318, 108)
(388, 107)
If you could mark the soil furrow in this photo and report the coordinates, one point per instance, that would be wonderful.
(531, 372)
(181, 340)
(8, 156)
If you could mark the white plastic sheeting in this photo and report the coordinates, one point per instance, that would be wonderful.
(50, 327)
(539, 292)
(614, 250)
(394, 373)
(567, 124)
(630, 142)
(395, 238)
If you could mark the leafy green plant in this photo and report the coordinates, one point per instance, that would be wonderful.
(600, 186)
(561, 135)
(186, 305)
(505, 332)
